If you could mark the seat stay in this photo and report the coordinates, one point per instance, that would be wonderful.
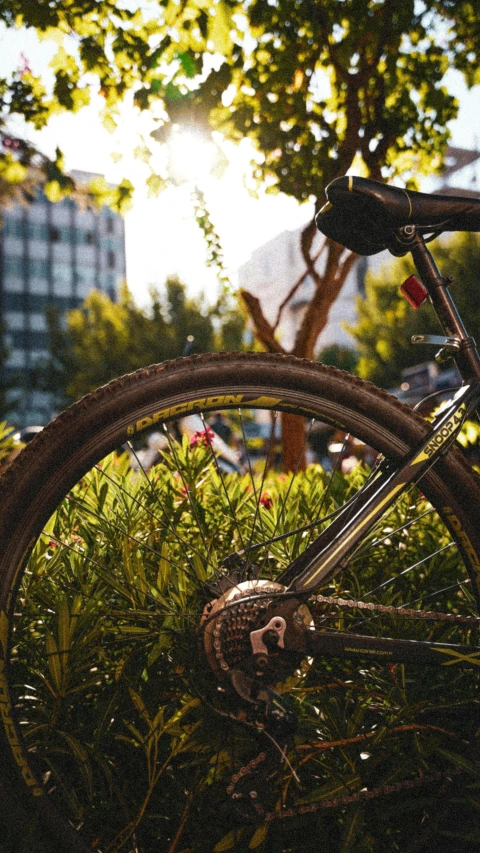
(325, 557)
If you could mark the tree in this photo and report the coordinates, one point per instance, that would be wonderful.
(320, 88)
(323, 88)
(386, 322)
(338, 355)
(108, 49)
(105, 339)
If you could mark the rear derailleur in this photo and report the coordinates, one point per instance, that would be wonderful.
(254, 639)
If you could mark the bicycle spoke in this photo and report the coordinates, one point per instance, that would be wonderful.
(294, 474)
(324, 497)
(222, 481)
(410, 569)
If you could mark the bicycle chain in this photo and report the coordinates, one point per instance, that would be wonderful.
(430, 615)
(360, 796)
(336, 802)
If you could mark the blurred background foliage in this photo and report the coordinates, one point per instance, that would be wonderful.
(386, 322)
(104, 339)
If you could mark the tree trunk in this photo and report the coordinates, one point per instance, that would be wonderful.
(327, 287)
(293, 442)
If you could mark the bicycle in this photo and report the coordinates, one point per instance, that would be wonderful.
(177, 646)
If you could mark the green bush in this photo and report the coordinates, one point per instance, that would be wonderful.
(108, 644)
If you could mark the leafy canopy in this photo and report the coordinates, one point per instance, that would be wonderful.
(322, 87)
(107, 48)
(316, 86)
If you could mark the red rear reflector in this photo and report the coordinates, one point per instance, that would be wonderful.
(414, 291)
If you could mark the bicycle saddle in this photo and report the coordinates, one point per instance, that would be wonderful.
(362, 214)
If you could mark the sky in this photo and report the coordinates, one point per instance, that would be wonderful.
(162, 237)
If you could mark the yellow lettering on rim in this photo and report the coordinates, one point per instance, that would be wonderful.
(216, 402)
(3, 632)
(464, 541)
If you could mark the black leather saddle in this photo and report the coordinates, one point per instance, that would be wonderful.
(363, 215)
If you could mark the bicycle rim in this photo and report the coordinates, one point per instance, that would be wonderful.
(114, 716)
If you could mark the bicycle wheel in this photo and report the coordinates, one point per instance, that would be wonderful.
(121, 615)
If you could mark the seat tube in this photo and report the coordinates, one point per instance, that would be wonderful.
(467, 357)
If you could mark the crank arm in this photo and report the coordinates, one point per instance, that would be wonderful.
(387, 650)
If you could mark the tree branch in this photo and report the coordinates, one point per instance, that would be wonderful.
(326, 292)
(263, 329)
(295, 287)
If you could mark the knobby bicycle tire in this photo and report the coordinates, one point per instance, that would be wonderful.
(58, 615)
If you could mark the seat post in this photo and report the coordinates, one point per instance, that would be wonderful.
(467, 357)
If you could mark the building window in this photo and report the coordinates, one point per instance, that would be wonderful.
(13, 266)
(13, 227)
(85, 238)
(111, 260)
(108, 281)
(54, 234)
(14, 320)
(86, 276)
(37, 268)
(38, 322)
(110, 225)
(62, 273)
(37, 231)
(37, 285)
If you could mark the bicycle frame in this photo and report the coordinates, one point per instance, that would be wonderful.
(325, 557)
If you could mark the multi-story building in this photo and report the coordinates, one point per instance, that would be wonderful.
(50, 254)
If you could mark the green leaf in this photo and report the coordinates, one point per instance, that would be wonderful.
(140, 706)
(352, 827)
(189, 66)
(259, 835)
(53, 661)
(461, 761)
(227, 842)
(219, 28)
(63, 632)
(200, 569)
(164, 568)
(155, 184)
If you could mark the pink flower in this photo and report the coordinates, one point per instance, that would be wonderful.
(266, 501)
(204, 436)
(25, 67)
